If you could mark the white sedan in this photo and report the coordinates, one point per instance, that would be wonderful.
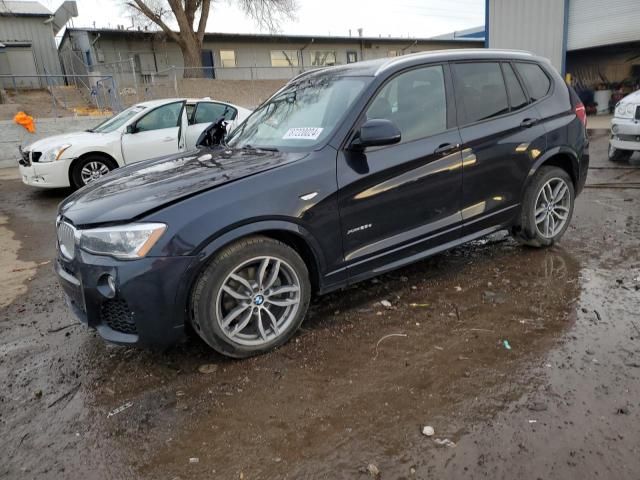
(145, 130)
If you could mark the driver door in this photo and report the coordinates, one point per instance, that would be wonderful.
(160, 132)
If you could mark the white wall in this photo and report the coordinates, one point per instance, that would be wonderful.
(602, 22)
(533, 25)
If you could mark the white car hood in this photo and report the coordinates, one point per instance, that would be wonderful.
(74, 138)
(632, 98)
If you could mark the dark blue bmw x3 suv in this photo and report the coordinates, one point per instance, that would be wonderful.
(344, 173)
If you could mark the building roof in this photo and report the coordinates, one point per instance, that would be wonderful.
(273, 38)
(470, 34)
(23, 9)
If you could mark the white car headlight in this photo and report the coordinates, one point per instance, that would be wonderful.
(127, 242)
(53, 154)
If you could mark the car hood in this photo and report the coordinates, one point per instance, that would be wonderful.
(130, 192)
(632, 97)
(74, 138)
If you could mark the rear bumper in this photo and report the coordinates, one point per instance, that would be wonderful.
(148, 306)
(46, 175)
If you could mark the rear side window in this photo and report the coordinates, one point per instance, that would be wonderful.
(208, 112)
(536, 81)
(415, 101)
(516, 94)
(481, 90)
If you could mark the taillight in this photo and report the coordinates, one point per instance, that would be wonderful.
(581, 113)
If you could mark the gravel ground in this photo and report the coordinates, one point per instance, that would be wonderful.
(350, 395)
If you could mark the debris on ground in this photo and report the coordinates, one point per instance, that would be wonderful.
(373, 470)
(414, 305)
(537, 406)
(506, 344)
(444, 442)
(385, 337)
(385, 303)
(194, 460)
(120, 409)
(428, 431)
(208, 368)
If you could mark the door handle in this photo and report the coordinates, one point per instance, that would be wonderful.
(528, 122)
(446, 148)
(168, 139)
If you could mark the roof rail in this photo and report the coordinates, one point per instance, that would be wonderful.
(401, 59)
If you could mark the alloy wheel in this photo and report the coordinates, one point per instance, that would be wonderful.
(93, 171)
(258, 301)
(552, 207)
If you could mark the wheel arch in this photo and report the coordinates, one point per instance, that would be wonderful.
(96, 153)
(290, 233)
(562, 157)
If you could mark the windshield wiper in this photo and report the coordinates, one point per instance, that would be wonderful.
(266, 149)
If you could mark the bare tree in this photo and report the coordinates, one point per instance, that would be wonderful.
(191, 17)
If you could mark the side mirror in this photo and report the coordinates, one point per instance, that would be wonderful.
(377, 132)
(131, 129)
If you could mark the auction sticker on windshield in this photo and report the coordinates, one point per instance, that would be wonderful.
(305, 133)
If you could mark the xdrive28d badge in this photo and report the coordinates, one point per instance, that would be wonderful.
(344, 173)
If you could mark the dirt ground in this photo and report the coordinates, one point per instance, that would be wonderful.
(349, 396)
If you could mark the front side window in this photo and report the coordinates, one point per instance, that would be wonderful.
(284, 58)
(208, 112)
(536, 81)
(517, 96)
(323, 57)
(481, 90)
(167, 116)
(228, 58)
(415, 101)
(302, 115)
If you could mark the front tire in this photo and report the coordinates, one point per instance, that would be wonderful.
(618, 156)
(251, 298)
(547, 208)
(90, 168)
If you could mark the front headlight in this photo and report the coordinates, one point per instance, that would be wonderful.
(631, 109)
(127, 242)
(53, 154)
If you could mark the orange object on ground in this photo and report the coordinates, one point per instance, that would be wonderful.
(26, 121)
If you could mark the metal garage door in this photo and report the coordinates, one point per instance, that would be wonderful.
(602, 22)
(21, 62)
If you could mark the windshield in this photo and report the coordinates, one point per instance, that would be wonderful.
(302, 115)
(118, 120)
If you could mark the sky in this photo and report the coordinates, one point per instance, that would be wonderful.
(397, 18)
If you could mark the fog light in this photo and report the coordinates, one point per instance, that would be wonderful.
(614, 129)
(107, 286)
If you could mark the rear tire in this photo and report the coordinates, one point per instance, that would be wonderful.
(618, 156)
(251, 298)
(90, 168)
(547, 208)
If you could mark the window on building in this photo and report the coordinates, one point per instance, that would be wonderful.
(322, 58)
(392, 53)
(536, 81)
(228, 58)
(352, 57)
(284, 58)
(162, 117)
(481, 90)
(415, 101)
(517, 97)
(208, 112)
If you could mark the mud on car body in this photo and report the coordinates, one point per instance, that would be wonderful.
(345, 173)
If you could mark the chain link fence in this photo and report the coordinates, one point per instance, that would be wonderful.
(107, 88)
